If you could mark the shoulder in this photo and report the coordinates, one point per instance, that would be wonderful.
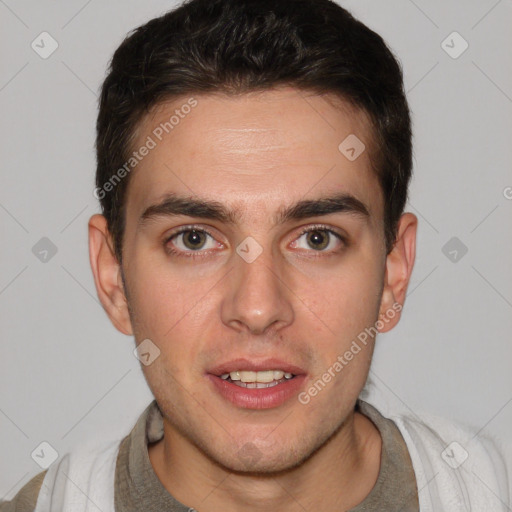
(451, 458)
(26, 498)
(90, 467)
(460, 441)
(87, 473)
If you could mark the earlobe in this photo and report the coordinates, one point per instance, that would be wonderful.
(107, 274)
(399, 265)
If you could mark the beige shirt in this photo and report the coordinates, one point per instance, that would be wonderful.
(137, 487)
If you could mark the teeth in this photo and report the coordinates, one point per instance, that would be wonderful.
(257, 385)
(249, 376)
(262, 377)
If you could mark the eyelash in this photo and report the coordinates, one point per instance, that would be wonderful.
(202, 254)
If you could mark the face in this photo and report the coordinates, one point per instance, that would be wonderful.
(274, 262)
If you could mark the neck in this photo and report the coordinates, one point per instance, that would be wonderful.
(338, 476)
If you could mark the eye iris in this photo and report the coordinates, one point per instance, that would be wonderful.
(194, 239)
(318, 239)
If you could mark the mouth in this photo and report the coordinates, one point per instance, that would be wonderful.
(257, 385)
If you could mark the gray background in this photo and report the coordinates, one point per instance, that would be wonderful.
(66, 375)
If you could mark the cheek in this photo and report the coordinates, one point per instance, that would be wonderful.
(161, 297)
(173, 310)
(344, 301)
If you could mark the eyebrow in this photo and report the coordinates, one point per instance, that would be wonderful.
(174, 205)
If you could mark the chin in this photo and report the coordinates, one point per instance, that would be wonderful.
(269, 460)
(263, 464)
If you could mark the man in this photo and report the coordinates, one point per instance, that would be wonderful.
(253, 164)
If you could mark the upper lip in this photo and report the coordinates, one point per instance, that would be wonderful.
(255, 366)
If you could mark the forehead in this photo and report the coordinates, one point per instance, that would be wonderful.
(258, 150)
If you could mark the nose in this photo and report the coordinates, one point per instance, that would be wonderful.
(257, 297)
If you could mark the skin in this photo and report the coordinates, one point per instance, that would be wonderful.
(256, 153)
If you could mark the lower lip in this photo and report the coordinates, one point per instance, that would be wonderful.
(254, 398)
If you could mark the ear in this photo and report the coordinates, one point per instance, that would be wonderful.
(107, 274)
(399, 265)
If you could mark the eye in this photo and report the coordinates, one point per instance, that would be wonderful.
(189, 240)
(320, 239)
